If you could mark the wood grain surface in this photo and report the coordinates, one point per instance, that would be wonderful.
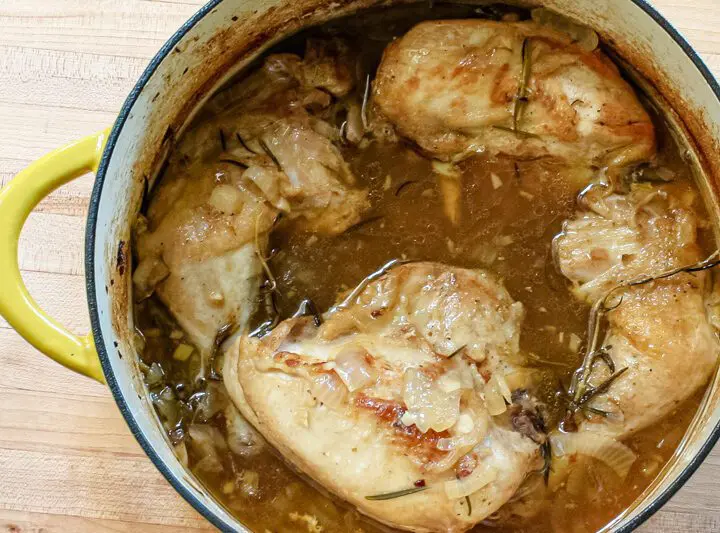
(68, 463)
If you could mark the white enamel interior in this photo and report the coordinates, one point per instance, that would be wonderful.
(181, 74)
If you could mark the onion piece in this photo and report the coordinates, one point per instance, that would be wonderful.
(183, 352)
(450, 181)
(481, 477)
(503, 387)
(463, 442)
(353, 367)
(614, 454)
(494, 400)
(242, 438)
(226, 199)
(429, 407)
(154, 375)
(328, 389)
(148, 274)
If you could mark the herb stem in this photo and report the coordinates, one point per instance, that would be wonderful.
(396, 494)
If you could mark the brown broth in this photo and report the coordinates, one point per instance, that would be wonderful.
(508, 230)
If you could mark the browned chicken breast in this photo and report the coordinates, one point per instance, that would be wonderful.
(399, 402)
(658, 331)
(457, 87)
(272, 154)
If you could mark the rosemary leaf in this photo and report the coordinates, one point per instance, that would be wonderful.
(603, 387)
(363, 223)
(521, 99)
(365, 282)
(267, 150)
(243, 143)
(404, 186)
(456, 352)
(396, 494)
(307, 308)
(595, 411)
(519, 133)
(234, 163)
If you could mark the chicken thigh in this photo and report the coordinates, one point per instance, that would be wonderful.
(658, 331)
(273, 154)
(398, 402)
(457, 87)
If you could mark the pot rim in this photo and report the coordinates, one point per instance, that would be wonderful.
(90, 282)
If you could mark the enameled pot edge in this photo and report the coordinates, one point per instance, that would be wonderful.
(91, 283)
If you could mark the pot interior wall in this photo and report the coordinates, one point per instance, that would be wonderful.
(225, 36)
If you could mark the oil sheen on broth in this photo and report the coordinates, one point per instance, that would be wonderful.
(509, 212)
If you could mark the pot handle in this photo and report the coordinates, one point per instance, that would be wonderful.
(17, 200)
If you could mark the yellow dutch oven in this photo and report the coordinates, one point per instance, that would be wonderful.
(222, 38)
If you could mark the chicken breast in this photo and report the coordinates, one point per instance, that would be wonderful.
(456, 87)
(399, 401)
(658, 331)
(270, 152)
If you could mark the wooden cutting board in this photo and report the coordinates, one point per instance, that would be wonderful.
(68, 463)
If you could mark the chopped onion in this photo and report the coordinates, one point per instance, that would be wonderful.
(183, 352)
(226, 199)
(464, 441)
(465, 423)
(494, 400)
(354, 130)
(206, 442)
(167, 405)
(614, 454)
(242, 438)
(503, 387)
(249, 482)
(429, 407)
(181, 453)
(456, 378)
(149, 272)
(450, 182)
(209, 402)
(496, 181)
(353, 368)
(154, 375)
(328, 389)
(481, 477)
(574, 343)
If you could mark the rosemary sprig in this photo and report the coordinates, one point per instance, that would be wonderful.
(469, 505)
(262, 258)
(365, 282)
(546, 453)
(270, 290)
(521, 99)
(270, 324)
(396, 494)
(307, 308)
(580, 392)
(221, 335)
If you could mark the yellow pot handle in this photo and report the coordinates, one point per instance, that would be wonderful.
(17, 200)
